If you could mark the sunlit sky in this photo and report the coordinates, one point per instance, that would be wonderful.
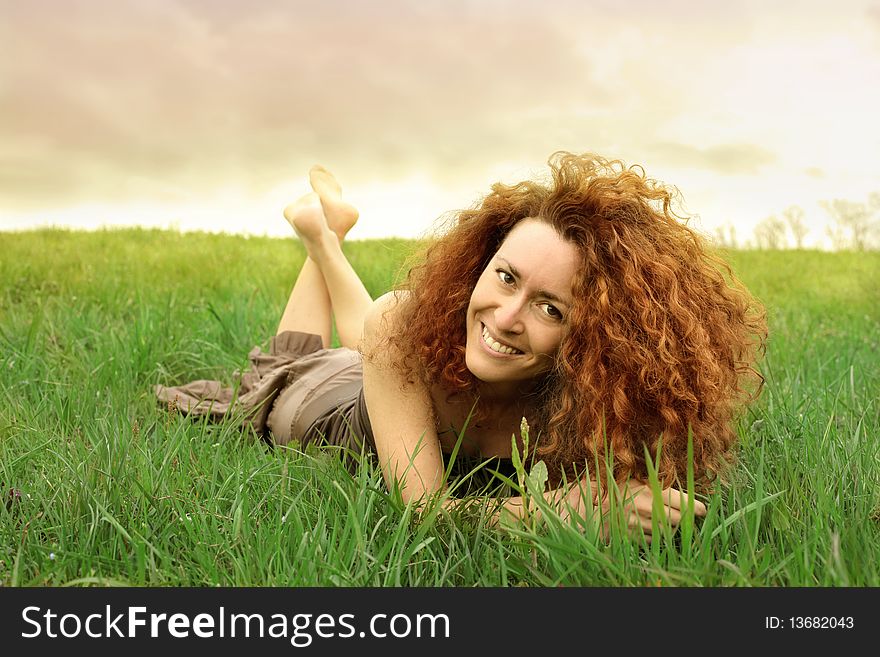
(206, 114)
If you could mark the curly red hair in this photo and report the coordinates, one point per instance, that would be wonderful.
(659, 341)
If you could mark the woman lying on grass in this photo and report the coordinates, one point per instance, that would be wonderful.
(581, 305)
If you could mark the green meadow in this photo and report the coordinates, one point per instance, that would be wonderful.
(102, 486)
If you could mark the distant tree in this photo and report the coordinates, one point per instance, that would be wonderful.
(770, 233)
(839, 238)
(853, 222)
(725, 236)
(794, 217)
(874, 229)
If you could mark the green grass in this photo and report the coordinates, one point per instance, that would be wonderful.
(116, 490)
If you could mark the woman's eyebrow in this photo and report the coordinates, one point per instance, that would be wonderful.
(543, 293)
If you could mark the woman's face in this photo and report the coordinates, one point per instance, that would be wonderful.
(519, 307)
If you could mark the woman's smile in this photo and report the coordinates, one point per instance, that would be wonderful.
(496, 347)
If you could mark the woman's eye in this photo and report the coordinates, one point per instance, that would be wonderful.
(551, 311)
(506, 277)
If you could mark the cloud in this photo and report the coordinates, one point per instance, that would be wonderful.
(730, 159)
(191, 94)
(873, 13)
(181, 100)
(189, 91)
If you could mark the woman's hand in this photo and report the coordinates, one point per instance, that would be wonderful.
(638, 507)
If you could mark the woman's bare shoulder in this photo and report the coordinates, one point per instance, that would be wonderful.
(385, 311)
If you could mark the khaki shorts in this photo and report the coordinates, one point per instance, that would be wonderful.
(285, 390)
(317, 384)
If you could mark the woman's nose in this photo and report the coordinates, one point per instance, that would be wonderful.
(508, 315)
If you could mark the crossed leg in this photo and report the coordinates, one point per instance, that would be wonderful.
(327, 285)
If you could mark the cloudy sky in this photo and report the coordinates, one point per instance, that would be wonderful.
(206, 114)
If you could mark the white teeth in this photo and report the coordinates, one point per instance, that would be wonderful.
(494, 345)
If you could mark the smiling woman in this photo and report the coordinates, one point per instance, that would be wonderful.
(581, 306)
(513, 328)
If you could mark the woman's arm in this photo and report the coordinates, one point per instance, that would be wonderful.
(579, 499)
(400, 409)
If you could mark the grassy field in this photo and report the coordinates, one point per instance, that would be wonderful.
(102, 486)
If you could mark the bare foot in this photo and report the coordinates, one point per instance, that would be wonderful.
(341, 216)
(307, 218)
